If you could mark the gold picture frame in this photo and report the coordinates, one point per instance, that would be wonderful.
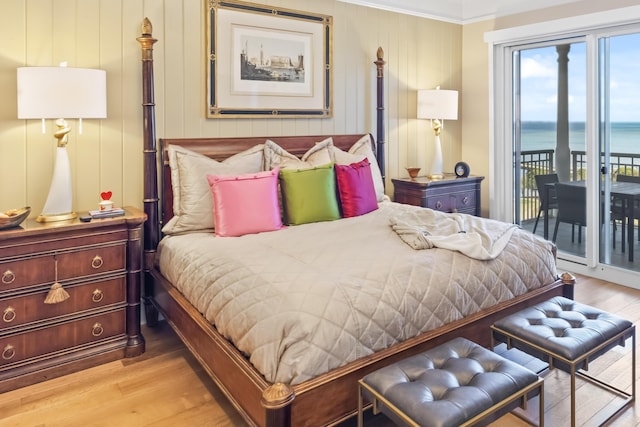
(267, 62)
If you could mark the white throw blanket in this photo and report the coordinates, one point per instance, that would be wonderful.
(478, 238)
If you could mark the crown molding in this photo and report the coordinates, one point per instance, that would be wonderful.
(459, 11)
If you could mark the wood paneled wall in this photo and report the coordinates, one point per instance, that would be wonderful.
(420, 54)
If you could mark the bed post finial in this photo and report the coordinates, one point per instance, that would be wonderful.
(276, 399)
(147, 28)
(568, 280)
(380, 112)
(146, 40)
(380, 61)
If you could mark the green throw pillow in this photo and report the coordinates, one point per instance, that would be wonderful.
(309, 195)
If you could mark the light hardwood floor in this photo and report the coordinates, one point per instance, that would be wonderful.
(166, 386)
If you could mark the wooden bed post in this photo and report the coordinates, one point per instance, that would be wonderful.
(380, 112)
(569, 282)
(152, 226)
(276, 399)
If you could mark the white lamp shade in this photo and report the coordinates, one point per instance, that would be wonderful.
(61, 93)
(438, 104)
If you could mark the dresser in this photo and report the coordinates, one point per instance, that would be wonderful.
(98, 265)
(449, 194)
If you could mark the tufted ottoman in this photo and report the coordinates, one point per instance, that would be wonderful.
(458, 383)
(568, 335)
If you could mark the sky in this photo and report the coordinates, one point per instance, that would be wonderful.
(539, 76)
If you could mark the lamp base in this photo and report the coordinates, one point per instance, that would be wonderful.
(56, 217)
(435, 171)
(58, 206)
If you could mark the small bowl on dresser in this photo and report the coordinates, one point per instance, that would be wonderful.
(13, 217)
(413, 172)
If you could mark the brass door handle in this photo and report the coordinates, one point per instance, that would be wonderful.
(8, 277)
(97, 262)
(97, 329)
(97, 295)
(8, 315)
(9, 352)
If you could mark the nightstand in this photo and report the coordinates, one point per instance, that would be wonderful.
(449, 194)
(99, 265)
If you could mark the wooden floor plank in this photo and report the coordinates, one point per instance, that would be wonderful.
(166, 386)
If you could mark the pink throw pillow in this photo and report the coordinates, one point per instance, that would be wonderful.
(245, 204)
(356, 189)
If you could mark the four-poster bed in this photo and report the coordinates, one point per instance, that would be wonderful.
(322, 398)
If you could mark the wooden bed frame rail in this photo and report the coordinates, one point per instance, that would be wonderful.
(329, 398)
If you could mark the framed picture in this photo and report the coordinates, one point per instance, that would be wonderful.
(267, 62)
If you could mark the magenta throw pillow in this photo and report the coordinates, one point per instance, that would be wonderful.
(356, 189)
(245, 204)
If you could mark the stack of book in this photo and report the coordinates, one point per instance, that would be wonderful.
(110, 213)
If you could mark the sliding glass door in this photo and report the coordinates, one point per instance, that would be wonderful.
(527, 136)
(574, 132)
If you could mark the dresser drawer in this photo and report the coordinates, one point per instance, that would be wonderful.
(90, 261)
(41, 269)
(63, 336)
(25, 309)
(449, 194)
(463, 202)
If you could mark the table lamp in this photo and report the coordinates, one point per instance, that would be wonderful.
(61, 93)
(437, 105)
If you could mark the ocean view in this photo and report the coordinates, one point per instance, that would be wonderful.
(625, 136)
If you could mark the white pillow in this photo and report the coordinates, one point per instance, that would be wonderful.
(192, 201)
(276, 156)
(358, 151)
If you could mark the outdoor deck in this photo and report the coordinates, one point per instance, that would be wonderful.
(542, 162)
(618, 258)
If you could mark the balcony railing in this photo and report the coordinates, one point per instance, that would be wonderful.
(532, 163)
(537, 162)
(619, 163)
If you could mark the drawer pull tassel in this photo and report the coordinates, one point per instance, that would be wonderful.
(9, 352)
(9, 315)
(97, 329)
(56, 292)
(8, 277)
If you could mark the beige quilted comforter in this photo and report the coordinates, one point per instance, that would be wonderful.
(307, 299)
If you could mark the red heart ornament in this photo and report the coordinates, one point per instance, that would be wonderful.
(106, 195)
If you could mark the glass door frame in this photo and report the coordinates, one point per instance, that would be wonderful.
(501, 44)
(604, 141)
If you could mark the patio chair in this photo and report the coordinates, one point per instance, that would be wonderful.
(618, 208)
(545, 204)
(572, 205)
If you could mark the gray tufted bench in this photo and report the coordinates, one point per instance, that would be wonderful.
(568, 335)
(458, 383)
